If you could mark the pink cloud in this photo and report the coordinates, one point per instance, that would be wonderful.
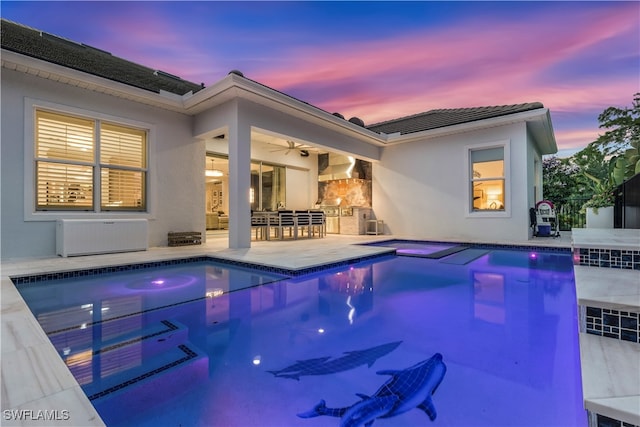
(486, 63)
(159, 43)
(478, 62)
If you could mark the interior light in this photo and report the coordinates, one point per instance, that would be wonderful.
(213, 172)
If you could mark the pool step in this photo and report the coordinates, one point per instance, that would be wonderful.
(611, 378)
(129, 356)
(465, 256)
(116, 336)
(154, 384)
(112, 377)
(609, 301)
(436, 255)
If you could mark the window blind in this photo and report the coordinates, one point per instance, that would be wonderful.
(67, 170)
(123, 163)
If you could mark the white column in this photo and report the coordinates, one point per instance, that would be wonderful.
(239, 181)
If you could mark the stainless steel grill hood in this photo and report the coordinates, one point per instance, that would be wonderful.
(340, 167)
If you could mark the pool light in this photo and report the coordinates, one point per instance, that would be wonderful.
(257, 359)
(217, 292)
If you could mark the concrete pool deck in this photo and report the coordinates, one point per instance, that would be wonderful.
(34, 378)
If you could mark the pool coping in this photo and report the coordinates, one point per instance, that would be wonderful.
(286, 272)
(384, 251)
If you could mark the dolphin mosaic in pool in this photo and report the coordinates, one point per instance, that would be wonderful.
(327, 365)
(407, 389)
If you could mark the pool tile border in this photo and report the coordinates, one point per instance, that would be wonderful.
(96, 271)
(189, 354)
(621, 325)
(603, 421)
(498, 246)
(607, 258)
(36, 278)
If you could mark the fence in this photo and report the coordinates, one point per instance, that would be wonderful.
(626, 212)
(569, 215)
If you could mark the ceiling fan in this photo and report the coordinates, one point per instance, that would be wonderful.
(291, 145)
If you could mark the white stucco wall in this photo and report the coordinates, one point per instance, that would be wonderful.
(420, 189)
(534, 172)
(176, 187)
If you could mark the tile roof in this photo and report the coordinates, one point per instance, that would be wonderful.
(434, 119)
(28, 41)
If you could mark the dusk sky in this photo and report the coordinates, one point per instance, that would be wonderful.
(380, 60)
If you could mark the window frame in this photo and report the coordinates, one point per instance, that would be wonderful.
(468, 182)
(31, 212)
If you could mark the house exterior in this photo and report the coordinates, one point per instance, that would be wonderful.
(127, 141)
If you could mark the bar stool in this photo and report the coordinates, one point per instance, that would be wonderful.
(375, 226)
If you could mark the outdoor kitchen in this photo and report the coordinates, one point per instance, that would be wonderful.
(344, 193)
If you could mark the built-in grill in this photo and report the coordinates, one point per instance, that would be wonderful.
(331, 209)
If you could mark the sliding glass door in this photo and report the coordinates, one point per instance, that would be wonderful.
(268, 186)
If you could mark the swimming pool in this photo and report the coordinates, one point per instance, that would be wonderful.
(211, 344)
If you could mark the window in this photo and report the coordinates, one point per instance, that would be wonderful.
(488, 179)
(82, 163)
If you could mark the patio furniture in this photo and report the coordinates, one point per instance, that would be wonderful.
(286, 219)
(303, 221)
(184, 238)
(375, 226)
(260, 223)
(318, 223)
(297, 222)
(217, 221)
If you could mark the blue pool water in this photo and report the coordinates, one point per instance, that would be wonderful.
(398, 340)
(414, 248)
